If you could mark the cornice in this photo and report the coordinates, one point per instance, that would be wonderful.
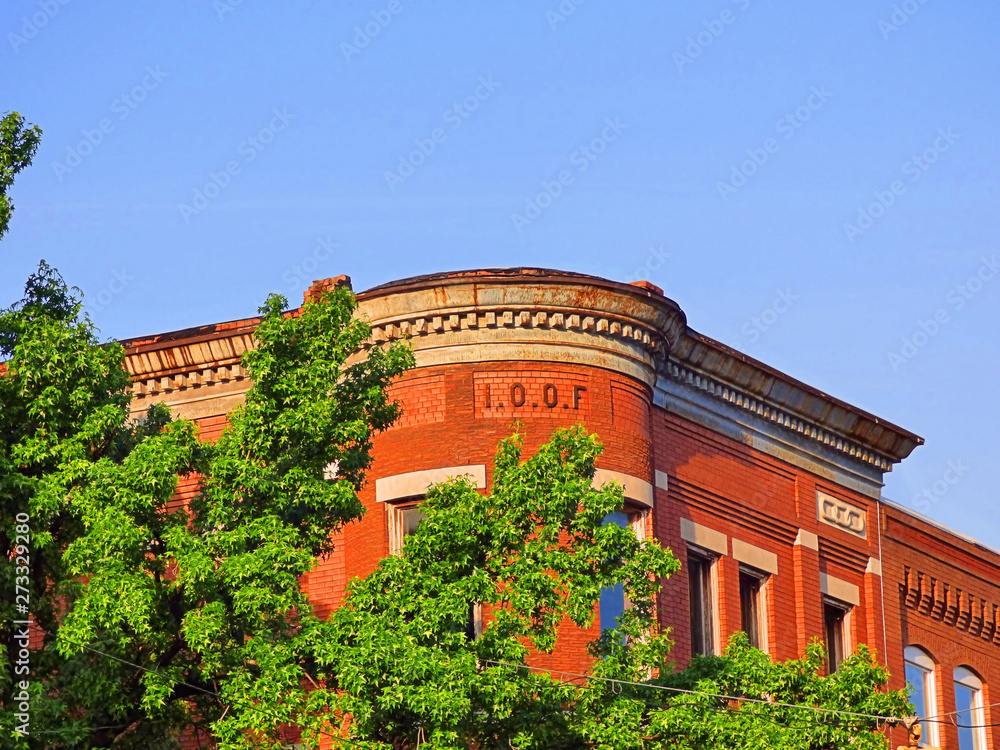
(651, 341)
(763, 409)
(524, 314)
(794, 399)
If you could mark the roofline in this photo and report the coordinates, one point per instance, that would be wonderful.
(774, 372)
(939, 526)
(895, 443)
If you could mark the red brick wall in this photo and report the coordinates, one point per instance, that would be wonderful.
(747, 495)
(943, 594)
(457, 414)
(482, 403)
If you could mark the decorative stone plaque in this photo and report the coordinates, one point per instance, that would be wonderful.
(844, 516)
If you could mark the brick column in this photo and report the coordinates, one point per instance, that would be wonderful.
(730, 619)
(808, 598)
(874, 631)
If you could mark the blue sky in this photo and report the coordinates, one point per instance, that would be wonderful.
(815, 184)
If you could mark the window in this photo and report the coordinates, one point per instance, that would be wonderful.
(403, 521)
(404, 518)
(701, 591)
(753, 606)
(613, 601)
(835, 629)
(919, 672)
(969, 705)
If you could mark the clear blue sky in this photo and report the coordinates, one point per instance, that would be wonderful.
(837, 102)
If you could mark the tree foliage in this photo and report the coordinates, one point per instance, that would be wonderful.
(18, 143)
(535, 552)
(532, 552)
(159, 618)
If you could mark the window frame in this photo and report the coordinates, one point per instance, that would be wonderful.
(394, 519)
(963, 677)
(918, 657)
(635, 519)
(761, 580)
(709, 586)
(846, 645)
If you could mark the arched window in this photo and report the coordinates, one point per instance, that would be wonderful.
(920, 676)
(969, 706)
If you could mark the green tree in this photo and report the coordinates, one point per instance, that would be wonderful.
(157, 618)
(18, 143)
(535, 551)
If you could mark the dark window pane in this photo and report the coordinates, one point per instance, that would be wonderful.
(834, 621)
(700, 593)
(750, 607)
(612, 606)
(470, 625)
(617, 518)
(612, 603)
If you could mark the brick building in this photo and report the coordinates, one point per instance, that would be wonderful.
(766, 489)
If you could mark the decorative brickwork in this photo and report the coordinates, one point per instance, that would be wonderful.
(422, 400)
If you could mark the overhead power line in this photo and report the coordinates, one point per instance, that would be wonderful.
(684, 691)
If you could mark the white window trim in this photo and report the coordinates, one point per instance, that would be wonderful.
(712, 558)
(920, 659)
(394, 519)
(416, 483)
(848, 609)
(967, 678)
(763, 604)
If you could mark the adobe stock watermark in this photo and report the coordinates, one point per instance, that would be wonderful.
(363, 35)
(714, 28)
(914, 168)
(787, 127)
(302, 272)
(249, 149)
(758, 324)
(20, 652)
(582, 158)
(116, 285)
(932, 493)
(224, 7)
(899, 17)
(123, 106)
(563, 11)
(454, 117)
(33, 24)
(955, 301)
(655, 260)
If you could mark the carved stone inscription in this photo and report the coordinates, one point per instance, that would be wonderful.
(531, 394)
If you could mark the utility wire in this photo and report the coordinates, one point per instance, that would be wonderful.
(743, 699)
(886, 719)
(174, 680)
